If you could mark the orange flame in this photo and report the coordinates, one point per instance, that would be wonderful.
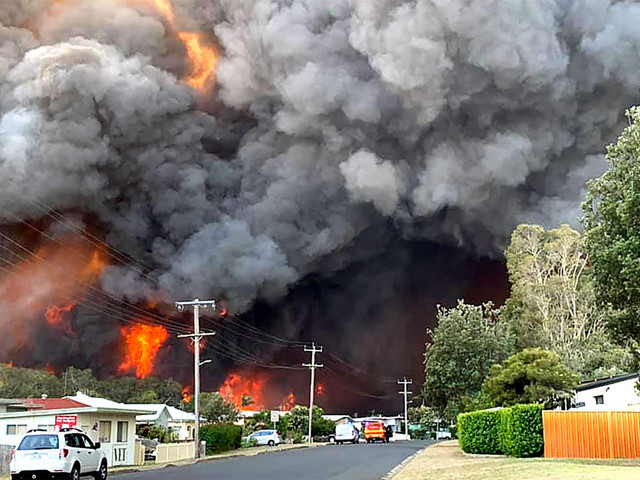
(238, 388)
(202, 59)
(49, 369)
(186, 394)
(143, 343)
(63, 270)
(320, 389)
(192, 346)
(289, 402)
(55, 315)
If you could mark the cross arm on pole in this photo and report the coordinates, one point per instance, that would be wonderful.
(194, 335)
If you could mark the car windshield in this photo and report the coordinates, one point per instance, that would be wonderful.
(39, 442)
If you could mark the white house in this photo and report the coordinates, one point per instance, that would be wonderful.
(610, 394)
(110, 423)
(182, 423)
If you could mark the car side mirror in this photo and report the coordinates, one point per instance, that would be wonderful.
(97, 445)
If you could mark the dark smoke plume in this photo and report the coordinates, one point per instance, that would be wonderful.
(450, 121)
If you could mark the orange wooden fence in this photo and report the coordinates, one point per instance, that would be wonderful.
(576, 434)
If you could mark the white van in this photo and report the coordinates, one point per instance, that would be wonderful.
(346, 432)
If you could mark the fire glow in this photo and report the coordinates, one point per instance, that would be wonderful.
(237, 389)
(142, 343)
(61, 271)
(186, 394)
(288, 403)
(202, 59)
(54, 315)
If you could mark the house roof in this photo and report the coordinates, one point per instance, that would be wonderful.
(178, 415)
(155, 408)
(52, 403)
(79, 403)
(606, 381)
(103, 404)
(174, 414)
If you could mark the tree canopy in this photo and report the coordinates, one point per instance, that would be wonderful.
(216, 409)
(19, 382)
(530, 376)
(612, 230)
(552, 302)
(466, 342)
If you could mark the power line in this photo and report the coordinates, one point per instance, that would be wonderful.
(130, 306)
(137, 312)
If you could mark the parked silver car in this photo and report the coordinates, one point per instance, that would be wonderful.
(266, 437)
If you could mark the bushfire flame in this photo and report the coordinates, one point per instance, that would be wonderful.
(54, 315)
(186, 394)
(320, 389)
(202, 59)
(237, 389)
(288, 403)
(54, 276)
(143, 343)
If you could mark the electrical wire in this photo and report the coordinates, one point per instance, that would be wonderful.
(133, 311)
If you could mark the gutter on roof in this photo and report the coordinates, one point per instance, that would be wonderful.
(41, 413)
(606, 381)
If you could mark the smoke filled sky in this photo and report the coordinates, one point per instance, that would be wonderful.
(336, 134)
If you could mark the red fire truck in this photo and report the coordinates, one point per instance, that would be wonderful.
(374, 431)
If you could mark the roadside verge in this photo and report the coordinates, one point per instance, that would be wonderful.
(446, 461)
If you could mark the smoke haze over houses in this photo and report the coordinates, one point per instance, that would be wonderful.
(337, 136)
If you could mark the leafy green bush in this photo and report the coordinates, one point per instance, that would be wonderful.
(521, 430)
(221, 437)
(479, 432)
(515, 431)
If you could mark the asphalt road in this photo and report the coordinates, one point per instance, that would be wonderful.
(335, 462)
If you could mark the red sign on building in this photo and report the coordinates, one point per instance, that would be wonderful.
(66, 421)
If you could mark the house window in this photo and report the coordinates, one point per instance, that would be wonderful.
(16, 429)
(599, 399)
(123, 430)
(105, 432)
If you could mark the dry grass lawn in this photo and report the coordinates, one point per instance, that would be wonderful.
(447, 462)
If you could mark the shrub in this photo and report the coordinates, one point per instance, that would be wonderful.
(521, 432)
(479, 432)
(515, 431)
(221, 437)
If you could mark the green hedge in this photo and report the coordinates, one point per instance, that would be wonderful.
(479, 432)
(221, 437)
(515, 431)
(523, 435)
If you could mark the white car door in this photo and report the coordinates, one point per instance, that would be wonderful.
(92, 455)
(76, 452)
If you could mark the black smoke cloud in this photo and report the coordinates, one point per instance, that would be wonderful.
(449, 121)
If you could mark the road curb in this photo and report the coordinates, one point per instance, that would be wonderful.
(398, 468)
(212, 458)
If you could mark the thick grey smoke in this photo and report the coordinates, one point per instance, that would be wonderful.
(455, 120)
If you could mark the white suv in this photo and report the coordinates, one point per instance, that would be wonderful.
(65, 454)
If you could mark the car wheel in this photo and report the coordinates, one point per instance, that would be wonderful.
(102, 474)
(75, 473)
(271, 443)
